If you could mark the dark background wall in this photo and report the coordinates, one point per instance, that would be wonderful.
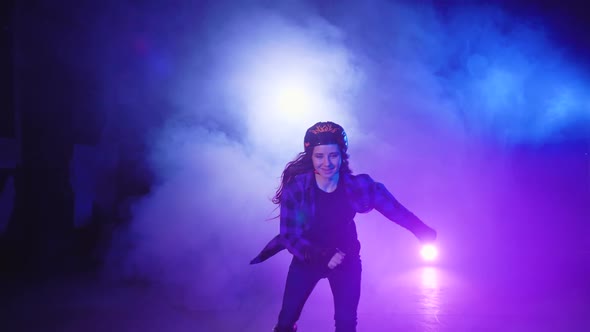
(50, 103)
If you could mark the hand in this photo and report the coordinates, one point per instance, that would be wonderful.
(336, 259)
(427, 235)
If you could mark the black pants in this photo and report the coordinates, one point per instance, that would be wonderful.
(345, 282)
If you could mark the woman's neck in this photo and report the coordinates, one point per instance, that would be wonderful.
(327, 184)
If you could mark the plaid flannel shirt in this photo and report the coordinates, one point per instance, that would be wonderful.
(298, 208)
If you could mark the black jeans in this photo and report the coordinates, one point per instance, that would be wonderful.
(345, 282)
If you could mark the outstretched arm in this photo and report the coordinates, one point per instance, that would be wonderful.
(386, 204)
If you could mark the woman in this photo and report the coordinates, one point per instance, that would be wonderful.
(318, 199)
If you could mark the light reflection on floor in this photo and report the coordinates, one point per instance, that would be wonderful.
(514, 298)
(430, 291)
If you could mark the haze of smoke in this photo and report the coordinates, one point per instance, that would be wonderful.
(427, 90)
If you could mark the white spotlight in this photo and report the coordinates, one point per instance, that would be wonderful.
(429, 252)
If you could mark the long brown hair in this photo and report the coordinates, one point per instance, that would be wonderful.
(303, 164)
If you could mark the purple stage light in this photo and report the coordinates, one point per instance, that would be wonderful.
(429, 252)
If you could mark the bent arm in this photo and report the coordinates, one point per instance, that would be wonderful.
(293, 221)
(292, 226)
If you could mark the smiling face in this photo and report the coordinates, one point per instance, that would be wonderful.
(326, 160)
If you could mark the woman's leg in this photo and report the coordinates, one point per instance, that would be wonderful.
(345, 282)
(301, 280)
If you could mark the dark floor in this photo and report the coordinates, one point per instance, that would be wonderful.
(553, 295)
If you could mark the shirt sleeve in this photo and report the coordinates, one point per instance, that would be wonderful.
(292, 223)
(392, 209)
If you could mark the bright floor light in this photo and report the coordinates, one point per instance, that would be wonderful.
(429, 252)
